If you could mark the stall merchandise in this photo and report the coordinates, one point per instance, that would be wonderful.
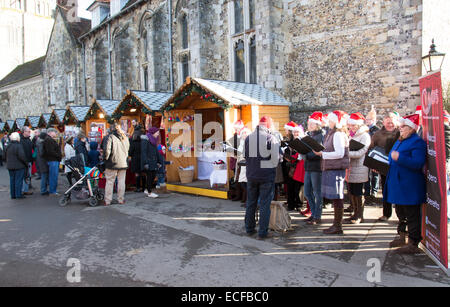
(98, 118)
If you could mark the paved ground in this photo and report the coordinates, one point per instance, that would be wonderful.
(182, 240)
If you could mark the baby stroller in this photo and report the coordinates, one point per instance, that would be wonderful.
(86, 186)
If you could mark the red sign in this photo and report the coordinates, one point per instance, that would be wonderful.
(435, 210)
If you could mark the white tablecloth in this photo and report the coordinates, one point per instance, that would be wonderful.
(218, 177)
(205, 163)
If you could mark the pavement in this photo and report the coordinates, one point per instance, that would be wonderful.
(188, 241)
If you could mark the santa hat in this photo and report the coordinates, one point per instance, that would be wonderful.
(419, 110)
(316, 118)
(290, 126)
(239, 124)
(266, 121)
(325, 120)
(411, 121)
(300, 129)
(337, 117)
(356, 119)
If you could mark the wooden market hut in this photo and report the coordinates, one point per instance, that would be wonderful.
(75, 116)
(20, 122)
(224, 102)
(136, 105)
(11, 125)
(57, 117)
(99, 117)
(32, 122)
(3, 129)
(44, 120)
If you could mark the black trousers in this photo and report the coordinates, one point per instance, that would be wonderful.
(410, 217)
(387, 207)
(293, 190)
(151, 175)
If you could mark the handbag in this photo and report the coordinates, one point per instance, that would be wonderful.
(292, 170)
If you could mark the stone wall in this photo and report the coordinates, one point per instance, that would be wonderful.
(24, 99)
(63, 58)
(351, 55)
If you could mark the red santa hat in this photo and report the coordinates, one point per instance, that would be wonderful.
(411, 121)
(419, 110)
(290, 126)
(337, 117)
(239, 124)
(356, 119)
(266, 121)
(316, 118)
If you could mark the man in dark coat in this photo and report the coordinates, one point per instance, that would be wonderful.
(52, 154)
(27, 145)
(151, 160)
(41, 163)
(81, 149)
(16, 162)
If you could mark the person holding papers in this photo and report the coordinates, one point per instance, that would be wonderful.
(335, 161)
(357, 174)
(405, 184)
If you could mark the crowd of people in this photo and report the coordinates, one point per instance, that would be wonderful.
(39, 153)
(339, 168)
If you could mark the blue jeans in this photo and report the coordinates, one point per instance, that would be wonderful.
(53, 172)
(372, 186)
(26, 186)
(313, 193)
(16, 182)
(44, 183)
(161, 178)
(259, 193)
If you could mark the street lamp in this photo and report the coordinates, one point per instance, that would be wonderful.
(434, 59)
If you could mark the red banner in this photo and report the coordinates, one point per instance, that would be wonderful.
(435, 209)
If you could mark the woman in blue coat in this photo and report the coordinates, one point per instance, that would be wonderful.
(405, 184)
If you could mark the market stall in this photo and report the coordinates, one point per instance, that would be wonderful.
(20, 123)
(11, 125)
(137, 105)
(98, 118)
(44, 120)
(222, 102)
(74, 120)
(32, 122)
(3, 129)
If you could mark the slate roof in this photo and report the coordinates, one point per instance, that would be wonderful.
(2, 126)
(33, 121)
(46, 117)
(24, 71)
(59, 114)
(236, 93)
(75, 28)
(79, 112)
(108, 106)
(151, 100)
(10, 123)
(20, 122)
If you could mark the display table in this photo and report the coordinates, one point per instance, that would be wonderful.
(218, 177)
(205, 163)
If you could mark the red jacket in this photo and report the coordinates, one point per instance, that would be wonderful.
(299, 174)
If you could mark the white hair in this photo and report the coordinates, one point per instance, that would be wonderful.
(15, 136)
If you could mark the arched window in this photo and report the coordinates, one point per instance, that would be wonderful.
(144, 44)
(251, 13)
(239, 61)
(185, 67)
(238, 16)
(184, 32)
(252, 60)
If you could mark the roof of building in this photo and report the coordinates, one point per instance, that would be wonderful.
(24, 71)
(20, 122)
(2, 126)
(33, 121)
(108, 106)
(45, 118)
(234, 93)
(76, 28)
(152, 101)
(10, 123)
(79, 112)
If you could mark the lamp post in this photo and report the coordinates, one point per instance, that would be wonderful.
(434, 59)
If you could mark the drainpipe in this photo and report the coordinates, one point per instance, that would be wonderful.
(84, 73)
(170, 45)
(109, 63)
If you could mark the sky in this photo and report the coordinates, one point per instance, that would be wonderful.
(82, 5)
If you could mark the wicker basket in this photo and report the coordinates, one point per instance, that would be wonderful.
(186, 176)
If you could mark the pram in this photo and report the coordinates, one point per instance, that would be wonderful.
(86, 186)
